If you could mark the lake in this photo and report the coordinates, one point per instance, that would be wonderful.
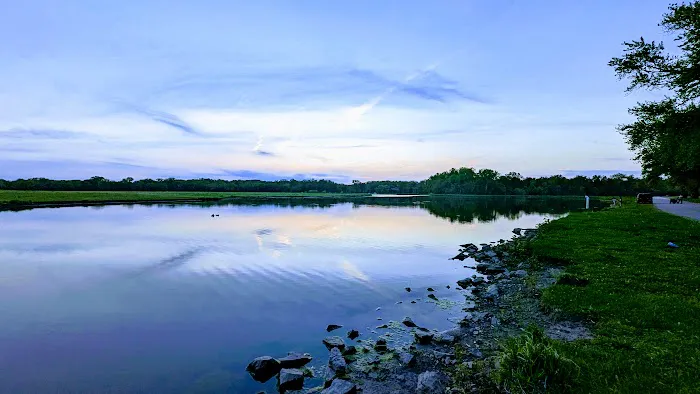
(168, 299)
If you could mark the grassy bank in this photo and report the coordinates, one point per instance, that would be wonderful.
(642, 296)
(22, 197)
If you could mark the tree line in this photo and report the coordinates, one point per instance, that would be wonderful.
(456, 181)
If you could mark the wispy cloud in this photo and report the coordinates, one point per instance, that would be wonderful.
(258, 148)
(41, 134)
(165, 118)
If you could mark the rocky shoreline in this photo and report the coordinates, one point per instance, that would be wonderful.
(500, 302)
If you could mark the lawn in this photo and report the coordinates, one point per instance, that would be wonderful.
(22, 197)
(643, 297)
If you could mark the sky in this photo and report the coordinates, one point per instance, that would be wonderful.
(338, 90)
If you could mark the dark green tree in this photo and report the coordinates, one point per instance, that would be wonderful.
(666, 134)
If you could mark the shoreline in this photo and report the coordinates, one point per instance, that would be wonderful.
(592, 302)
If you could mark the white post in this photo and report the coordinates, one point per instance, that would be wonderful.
(587, 202)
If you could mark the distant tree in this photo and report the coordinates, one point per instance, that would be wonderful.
(666, 133)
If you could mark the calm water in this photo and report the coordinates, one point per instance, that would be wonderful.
(167, 299)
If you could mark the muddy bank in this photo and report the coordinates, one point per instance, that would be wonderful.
(501, 301)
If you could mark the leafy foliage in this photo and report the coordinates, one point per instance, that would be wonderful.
(456, 181)
(666, 134)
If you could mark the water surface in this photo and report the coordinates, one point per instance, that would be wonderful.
(168, 299)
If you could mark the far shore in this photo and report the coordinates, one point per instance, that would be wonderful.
(22, 199)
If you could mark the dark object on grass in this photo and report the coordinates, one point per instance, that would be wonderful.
(644, 198)
(672, 245)
(568, 279)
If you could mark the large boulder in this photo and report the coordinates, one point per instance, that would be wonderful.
(380, 345)
(341, 386)
(263, 368)
(406, 358)
(332, 342)
(291, 379)
(295, 360)
(423, 338)
(336, 361)
(431, 382)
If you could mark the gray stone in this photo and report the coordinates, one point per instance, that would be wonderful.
(340, 386)
(336, 361)
(424, 338)
(332, 342)
(406, 358)
(291, 379)
(349, 351)
(444, 337)
(408, 322)
(519, 274)
(431, 382)
(295, 360)
(491, 292)
(263, 368)
(380, 345)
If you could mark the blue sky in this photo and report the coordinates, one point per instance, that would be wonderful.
(315, 89)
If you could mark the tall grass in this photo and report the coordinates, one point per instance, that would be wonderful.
(531, 363)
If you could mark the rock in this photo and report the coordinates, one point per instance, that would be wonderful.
(408, 289)
(477, 280)
(448, 286)
(475, 352)
(432, 296)
(383, 326)
(399, 302)
(332, 327)
(423, 338)
(295, 360)
(422, 329)
(379, 308)
(333, 342)
(406, 358)
(336, 361)
(291, 379)
(471, 248)
(444, 337)
(481, 267)
(430, 289)
(517, 230)
(380, 345)
(263, 368)
(349, 351)
(494, 270)
(372, 359)
(464, 283)
(413, 302)
(494, 321)
(491, 292)
(408, 322)
(431, 382)
(352, 334)
(341, 386)
(519, 273)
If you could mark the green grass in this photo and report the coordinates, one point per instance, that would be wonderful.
(23, 197)
(533, 363)
(642, 297)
